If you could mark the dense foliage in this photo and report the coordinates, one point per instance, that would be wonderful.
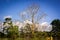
(56, 27)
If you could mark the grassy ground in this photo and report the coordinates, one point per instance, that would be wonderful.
(24, 39)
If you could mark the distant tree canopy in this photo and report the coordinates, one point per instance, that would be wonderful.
(56, 27)
(7, 19)
(56, 24)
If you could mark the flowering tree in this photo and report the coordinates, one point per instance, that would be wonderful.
(10, 29)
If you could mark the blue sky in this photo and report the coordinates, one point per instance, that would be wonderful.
(14, 7)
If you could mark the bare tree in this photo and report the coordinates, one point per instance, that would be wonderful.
(23, 15)
(40, 17)
(31, 12)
